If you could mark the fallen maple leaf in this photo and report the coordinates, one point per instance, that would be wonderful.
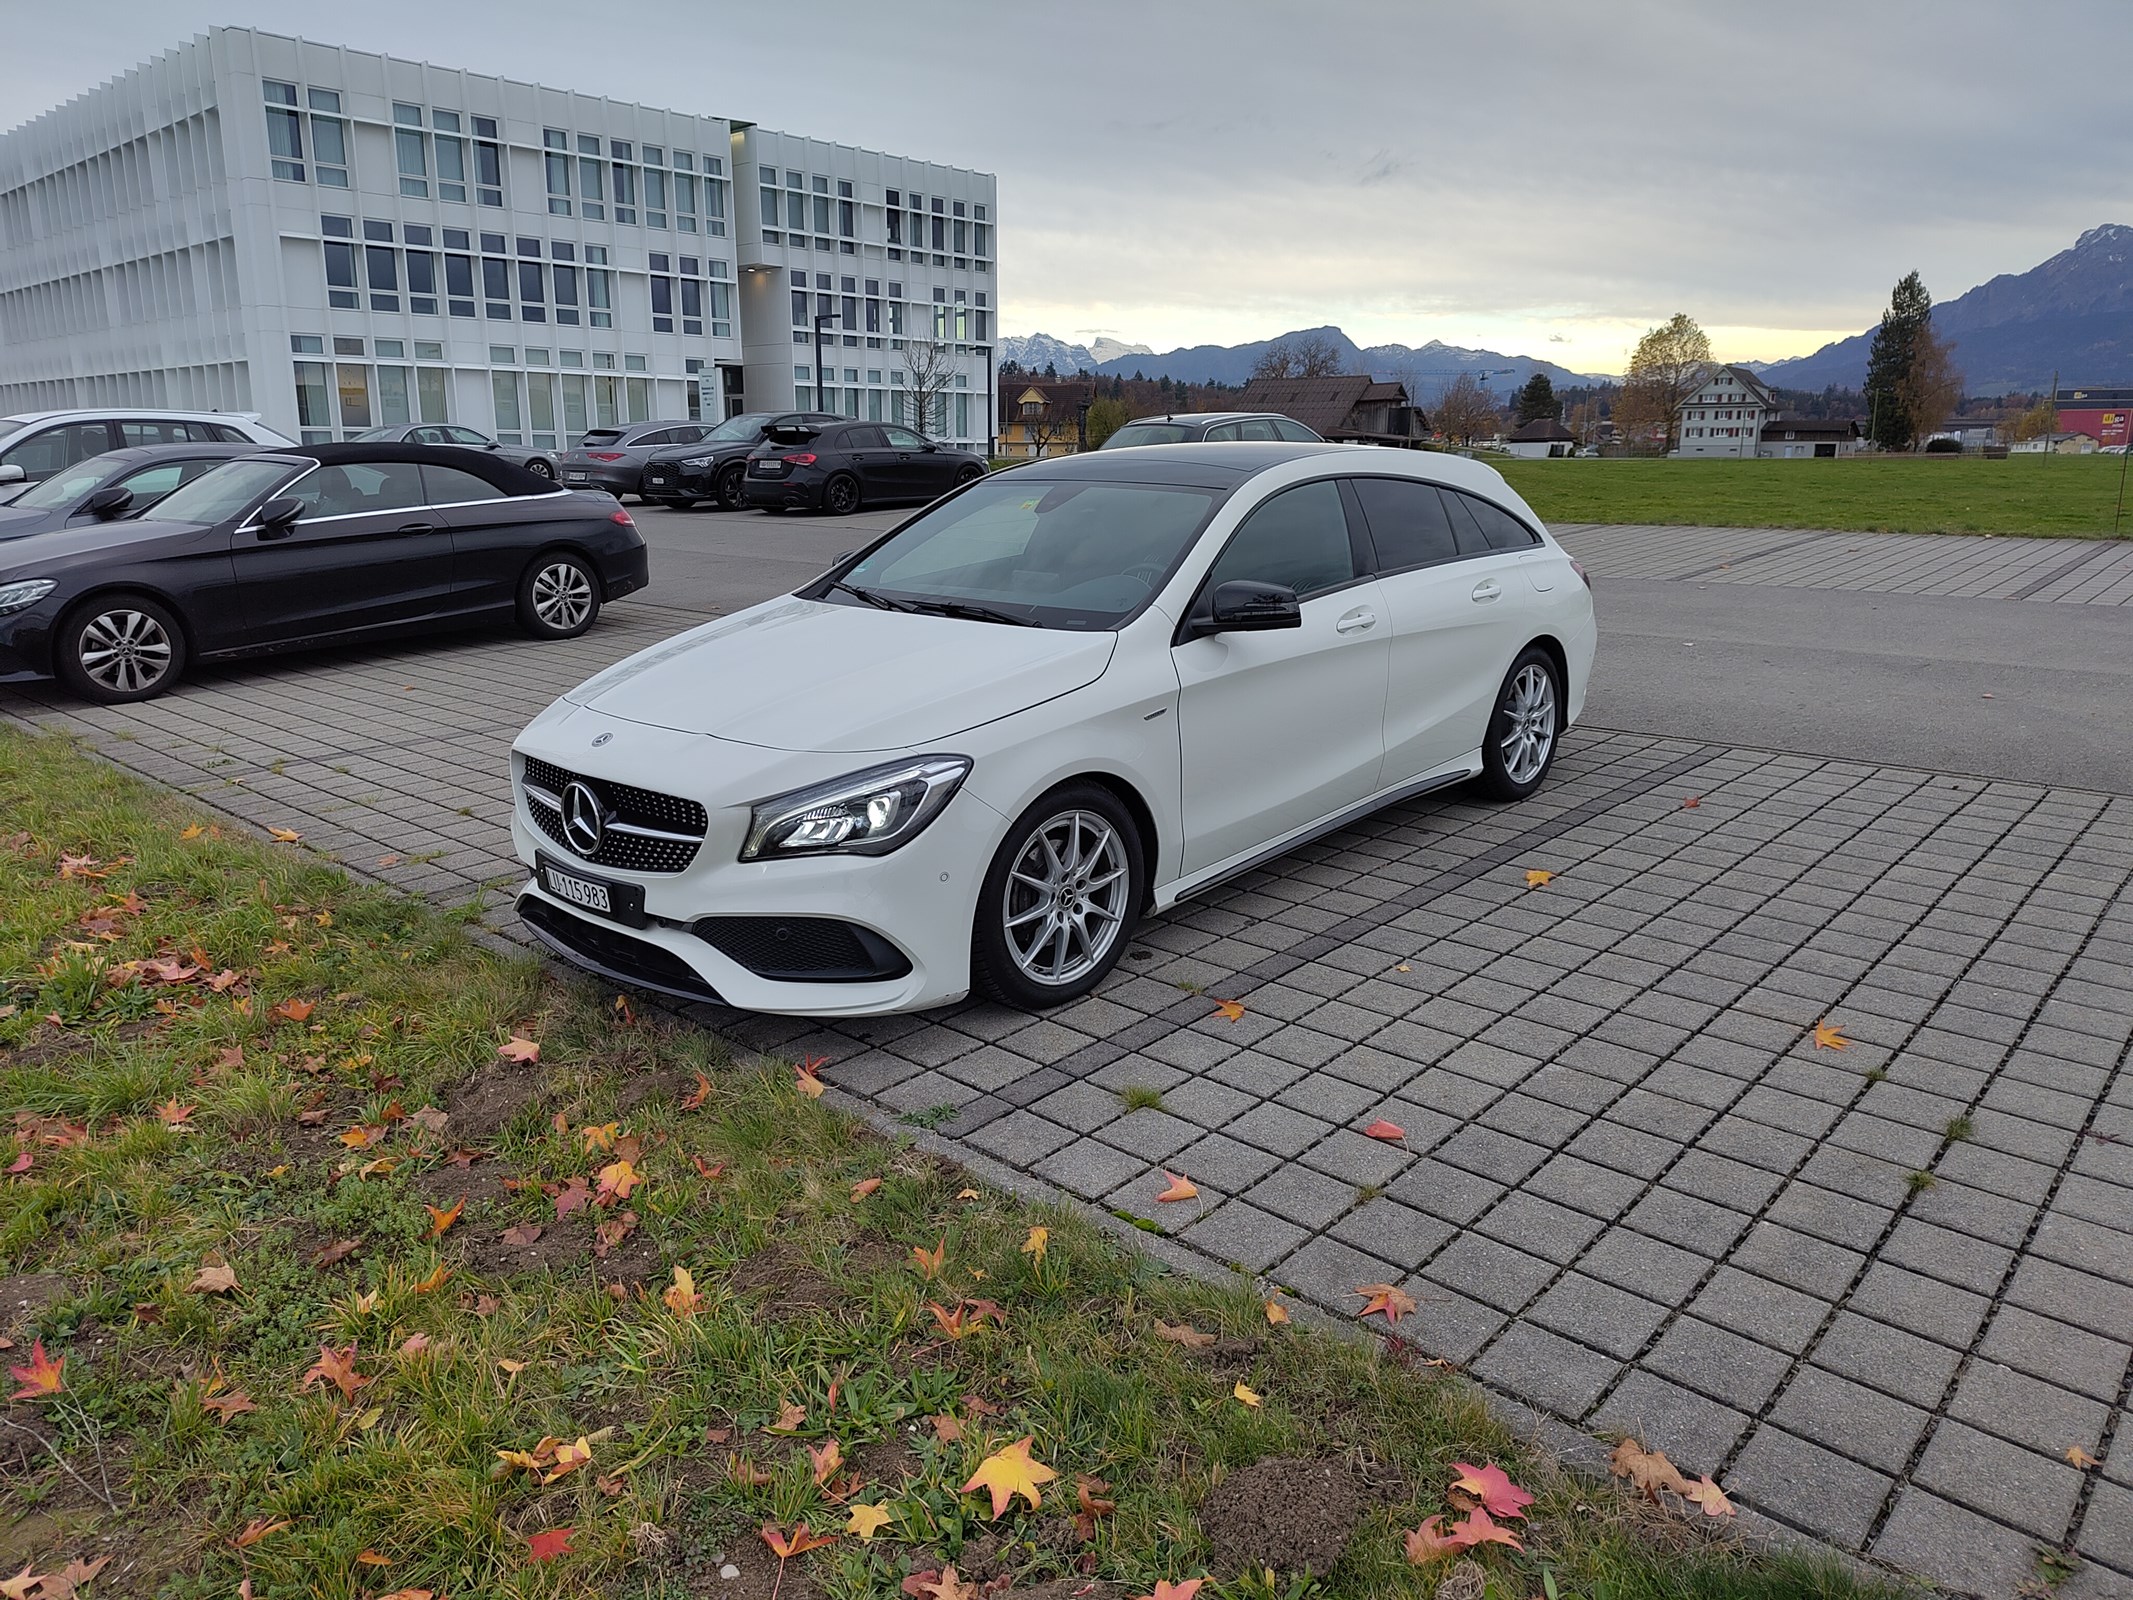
(255, 1530)
(1089, 1493)
(618, 1178)
(946, 1584)
(522, 1234)
(1010, 1472)
(1712, 1498)
(1249, 1396)
(228, 1406)
(414, 1344)
(1830, 1036)
(214, 1278)
(295, 1010)
(439, 1276)
(1646, 1470)
(806, 1081)
(929, 1262)
(1035, 1246)
(828, 1456)
(1492, 1486)
(1537, 879)
(1184, 1333)
(284, 835)
(43, 1377)
(548, 1544)
(1479, 1529)
(1426, 1543)
(1276, 1313)
(174, 1115)
(1180, 1189)
(441, 1221)
(79, 867)
(1692, 802)
(2081, 1458)
(338, 1368)
(867, 1521)
(522, 1050)
(1230, 1010)
(327, 1255)
(1388, 1300)
(1390, 1132)
(371, 1558)
(1166, 1590)
(680, 1296)
(573, 1196)
(800, 1539)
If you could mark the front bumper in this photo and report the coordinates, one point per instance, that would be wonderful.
(26, 641)
(917, 901)
(668, 480)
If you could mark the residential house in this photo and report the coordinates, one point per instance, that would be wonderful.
(1043, 419)
(1807, 438)
(2058, 444)
(1352, 409)
(1723, 416)
(1541, 438)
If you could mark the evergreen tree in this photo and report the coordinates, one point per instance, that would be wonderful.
(1537, 400)
(1897, 343)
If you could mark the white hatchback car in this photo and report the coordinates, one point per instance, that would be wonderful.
(973, 754)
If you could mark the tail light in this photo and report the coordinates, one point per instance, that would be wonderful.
(1578, 567)
(605, 455)
(621, 518)
(805, 458)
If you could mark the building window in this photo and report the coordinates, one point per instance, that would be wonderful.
(625, 188)
(503, 392)
(599, 296)
(285, 131)
(414, 163)
(341, 276)
(451, 162)
(381, 269)
(314, 404)
(655, 194)
(458, 280)
(488, 163)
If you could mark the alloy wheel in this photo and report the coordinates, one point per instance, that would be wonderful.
(125, 650)
(1066, 897)
(841, 497)
(562, 595)
(1529, 713)
(541, 469)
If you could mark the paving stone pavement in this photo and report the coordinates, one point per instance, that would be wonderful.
(1878, 1291)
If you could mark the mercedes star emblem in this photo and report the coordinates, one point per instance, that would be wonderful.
(584, 821)
(602, 739)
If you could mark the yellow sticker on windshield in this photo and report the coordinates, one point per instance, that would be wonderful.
(1029, 505)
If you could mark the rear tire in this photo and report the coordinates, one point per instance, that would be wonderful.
(969, 475)
(541, 469)
(120, 648)
(559, 596)
(840, 496)
(1061, 900)
(730, 488)
(1525, 728)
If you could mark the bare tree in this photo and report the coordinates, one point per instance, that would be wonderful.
(1299, 355)
(1932, 387)
(1465, 412)
(929, 371)
(1669, 363)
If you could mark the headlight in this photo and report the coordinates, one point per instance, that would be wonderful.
(868, 813)
(697, 461)
(21, 596)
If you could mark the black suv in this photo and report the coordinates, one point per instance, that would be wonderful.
(712, 468)
(839, 466)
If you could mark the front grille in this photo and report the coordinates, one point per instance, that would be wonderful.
(636, 820)
(613, 953)
(803, 949)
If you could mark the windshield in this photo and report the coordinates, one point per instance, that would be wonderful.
(222, 491)
(389, 434)
(10, 425)
(63, 488)
(1134, 433)
(1066, 555)
(738, 430)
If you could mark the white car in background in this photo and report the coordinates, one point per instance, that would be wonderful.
(972, 755)
(36, 444)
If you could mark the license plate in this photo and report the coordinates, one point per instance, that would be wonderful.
(767, 469)
(576, 477)
(657, 477)
(620, 902)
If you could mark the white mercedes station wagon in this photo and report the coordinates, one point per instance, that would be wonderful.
(972, 755)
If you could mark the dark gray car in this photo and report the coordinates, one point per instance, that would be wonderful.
(538, 461)
(613, 458)
(1211, 427)
(111, 487)
(714, 466)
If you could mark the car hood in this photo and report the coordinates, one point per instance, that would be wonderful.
(796, 674)
(15, 522)
(62, 549)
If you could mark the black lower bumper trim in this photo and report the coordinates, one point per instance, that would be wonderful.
(612, 953)
(804, 949)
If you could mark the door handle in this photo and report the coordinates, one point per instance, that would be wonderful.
(416, 527)
(1487, 589)
(1357, 621)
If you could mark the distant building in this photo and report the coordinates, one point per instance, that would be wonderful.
(1043, 419)
(2063, 443)
(1972, 433)
(2100, 413)
(1350, 409)
(1541, 438)
(1805, 438)
(1723, 416)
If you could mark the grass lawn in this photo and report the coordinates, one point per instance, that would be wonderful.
(338, 1291)
(2065, 496)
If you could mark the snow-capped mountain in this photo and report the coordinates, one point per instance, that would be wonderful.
(1035, 351)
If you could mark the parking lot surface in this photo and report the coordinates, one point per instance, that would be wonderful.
(1879, 1282)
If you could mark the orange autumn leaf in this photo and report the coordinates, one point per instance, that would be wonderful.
(1479, 1529)
(806, 1081)
(522, 1050)
(1247, 1395)
(1180, 1189)
(1010, 1472)
(1426, 1543)
(2081, 1458)
(680, 1296)
(1385, 1299)
(1184, 1333)
(371, 1558)
(801, 1538)
(439, 1276)
(228, 1406)
(695, 1098)
(1276, 1313)
(1830, 1036)
(1390, 1132)
(1492, 1486)
(441, 1221)
(549, 1543)
(1692, 802)
(1537, 879)
(338, 1368)
(284, 835)
(865, 1187)
(618, 1178)
(1712, 1498)
(1230, 1010)
(827, 1457)
(213, 1278)
(174, 1115)
(295, 1010)
(1646, 1470)
(929, 1262)
(255, 1530)
(41, 1378)
(791, 1418)
(1166, 1590)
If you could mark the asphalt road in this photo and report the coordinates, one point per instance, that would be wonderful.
(1996, 688)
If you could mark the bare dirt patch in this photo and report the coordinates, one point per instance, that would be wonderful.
(26, 1296)
(1288, 1513)
(485, 1251)
(489, 1099)
(24, 1436)
(792, 1286)
(481, 1184)
(888, 1462)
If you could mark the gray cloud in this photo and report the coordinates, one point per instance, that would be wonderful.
(1188, 169)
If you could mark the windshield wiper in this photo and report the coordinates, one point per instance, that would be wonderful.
(871, 597)
(975, 613)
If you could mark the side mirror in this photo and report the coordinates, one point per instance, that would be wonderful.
(277, 518)
(1241, 606)
(931, 447)
(11, 473)
(108, 503)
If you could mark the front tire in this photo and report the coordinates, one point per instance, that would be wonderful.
(729, 488)
(969, 475)
(120, 648)
(559, 597)
(1525, 727)
(541, 469)
(1061, 899)
(840, 496)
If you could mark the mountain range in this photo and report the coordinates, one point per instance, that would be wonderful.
(2071, 315)
(1036, 351)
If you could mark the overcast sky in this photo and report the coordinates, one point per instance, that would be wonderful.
(1541, 178)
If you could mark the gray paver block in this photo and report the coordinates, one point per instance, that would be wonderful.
(1089, 1168)
(1694, 1431)
(1718, 1363)
(1445, 1192)
(1846, 1416)
(2072, 1358)
(1924, 1305)
(1548, 1370)
(1643, 1265)
(1493, 1273)
(1599, 1314)
(2107, 1533)
(2033, 1492)
(1309, 1199)
(1242, 1233)
(1809, 1486)
(1767, 1312)
(1392, 1232)
(2027, 1410)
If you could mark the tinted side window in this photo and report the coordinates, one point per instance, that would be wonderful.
(150, 484)
(1408, 524)
(357, 487)
(466, 436)
(1472, 541)
(904, 439)
(1222, 433)
(1258, 428)
(1294, 432)
(42, 454)
(448, 486)
(217, 433)
(864, 439)
(1298, 539)
(1499, 527)
(135, 432)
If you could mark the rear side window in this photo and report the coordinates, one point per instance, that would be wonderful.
(863, 438)
(448, 486)
(137, 432)
(47, 452)
(1498, 527)
(1409, 526)
(1222, 433)
(1298, 539)
(217, 433)
(1295, 432)
(1134, 433)
(1258, 428)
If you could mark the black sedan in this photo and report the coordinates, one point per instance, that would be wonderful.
(540, 461)
(328, 544)
(715, 467)
(840, 466)
(106, 488)
(613, 458)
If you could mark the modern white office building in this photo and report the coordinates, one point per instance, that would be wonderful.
(338, 239)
